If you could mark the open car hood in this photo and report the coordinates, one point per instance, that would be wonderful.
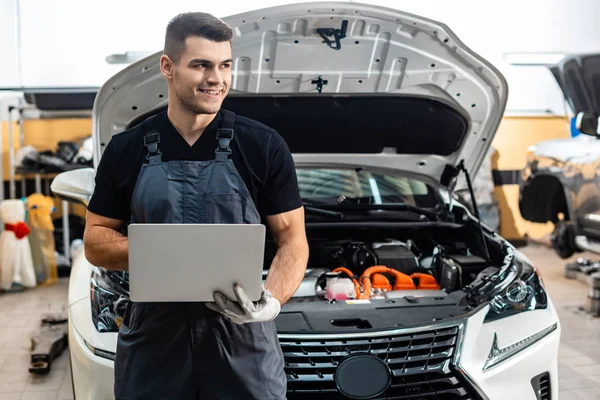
(578, 76)
(398, 91)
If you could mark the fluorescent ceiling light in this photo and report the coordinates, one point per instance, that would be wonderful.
(533, 58)
(128, 57)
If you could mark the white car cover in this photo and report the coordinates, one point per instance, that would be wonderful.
(16, 262)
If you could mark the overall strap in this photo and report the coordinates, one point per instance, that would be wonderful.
(225, 135)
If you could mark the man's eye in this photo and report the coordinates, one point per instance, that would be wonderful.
(226, 66)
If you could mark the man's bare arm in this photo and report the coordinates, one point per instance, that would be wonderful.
(289, 265)
(105, 246)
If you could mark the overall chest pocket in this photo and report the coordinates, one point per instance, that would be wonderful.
(223, 208)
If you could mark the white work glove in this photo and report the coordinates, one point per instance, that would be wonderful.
(246, 310)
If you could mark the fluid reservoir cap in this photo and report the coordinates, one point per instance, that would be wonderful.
(362, 376)
(330, 275)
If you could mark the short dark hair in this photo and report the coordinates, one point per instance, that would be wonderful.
(188, 24)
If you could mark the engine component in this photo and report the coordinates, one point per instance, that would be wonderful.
(450, 275)
(397, 294)
(353, 277)
(379, 281)
(372, 279)
(309, 285)
(339, 288)
(355, 256)
(426, 282)
(48, 343)
(396, 255)
(469, 263)
(401, 281)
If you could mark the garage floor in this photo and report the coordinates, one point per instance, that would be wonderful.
(20, 315)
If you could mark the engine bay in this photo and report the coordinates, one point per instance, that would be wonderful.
(341, 269)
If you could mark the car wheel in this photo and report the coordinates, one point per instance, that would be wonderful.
(563, 239)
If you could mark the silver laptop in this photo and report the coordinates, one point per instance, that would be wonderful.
(189, 262)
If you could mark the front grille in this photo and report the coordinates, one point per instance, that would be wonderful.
(420, 363)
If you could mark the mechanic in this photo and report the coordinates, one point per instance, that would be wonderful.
(182, 165)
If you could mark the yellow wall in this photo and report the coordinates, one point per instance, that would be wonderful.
(514, 136)
(45, 135)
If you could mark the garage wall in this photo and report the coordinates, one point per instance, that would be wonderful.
(9, 67)
(43, 135)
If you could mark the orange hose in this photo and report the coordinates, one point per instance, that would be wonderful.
(354, 280)
(403, 281)
(344, 270)
(374, 269)
(380, 281)
(366, 281)
(426, 281)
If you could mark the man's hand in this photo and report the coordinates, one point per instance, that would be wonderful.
(245, 310)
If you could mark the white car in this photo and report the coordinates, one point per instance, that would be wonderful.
(385, 113)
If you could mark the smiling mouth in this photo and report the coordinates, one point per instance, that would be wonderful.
(211, 92)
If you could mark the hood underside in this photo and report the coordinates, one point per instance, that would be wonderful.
(344, 84)
(578, 76)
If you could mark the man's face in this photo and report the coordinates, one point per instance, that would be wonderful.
(202, 77)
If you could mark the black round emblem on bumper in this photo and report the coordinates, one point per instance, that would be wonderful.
(362, 376)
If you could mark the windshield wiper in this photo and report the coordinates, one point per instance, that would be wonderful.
(359, 203)
(362, 204)
(311, 208)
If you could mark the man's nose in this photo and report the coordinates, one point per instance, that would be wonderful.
(214, 76)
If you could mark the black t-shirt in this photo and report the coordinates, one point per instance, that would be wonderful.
(259, 154)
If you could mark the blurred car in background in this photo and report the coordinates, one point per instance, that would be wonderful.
(561, 180)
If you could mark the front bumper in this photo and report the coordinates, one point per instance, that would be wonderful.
(93, 377)
(510, 379)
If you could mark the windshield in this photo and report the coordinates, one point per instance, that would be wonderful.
(328, 185)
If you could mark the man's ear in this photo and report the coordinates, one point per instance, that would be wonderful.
(166, 66)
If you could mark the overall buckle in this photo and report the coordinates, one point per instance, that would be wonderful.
(224, 137)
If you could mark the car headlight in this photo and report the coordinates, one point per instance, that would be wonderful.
(514, 288)
(525, 292)
(109, 296)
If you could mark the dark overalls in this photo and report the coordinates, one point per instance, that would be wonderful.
(185, 350)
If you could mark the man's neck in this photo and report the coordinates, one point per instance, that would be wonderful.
(190, 126)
